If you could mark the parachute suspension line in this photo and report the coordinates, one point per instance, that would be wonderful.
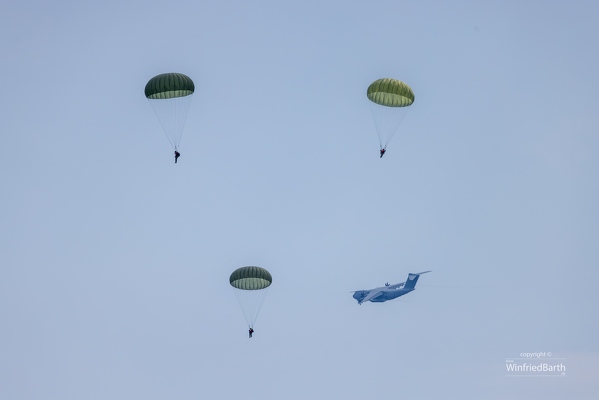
(259, 304)
(250, 302)
(172, 114)
(161, 108)
(387, 121)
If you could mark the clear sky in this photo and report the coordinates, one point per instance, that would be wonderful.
(114, 261)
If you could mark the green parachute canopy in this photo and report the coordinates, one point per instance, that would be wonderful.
(390, 93)
(250, 285)
(169, 86)
(250, 278)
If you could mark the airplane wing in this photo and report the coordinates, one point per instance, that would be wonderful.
(396, 286)
(372, 295)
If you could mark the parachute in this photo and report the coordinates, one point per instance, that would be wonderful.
(170, 96)
(390, 101)
(250, 285)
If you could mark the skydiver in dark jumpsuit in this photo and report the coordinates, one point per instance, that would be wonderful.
(177, 155)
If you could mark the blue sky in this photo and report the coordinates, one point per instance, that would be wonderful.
(114, 261)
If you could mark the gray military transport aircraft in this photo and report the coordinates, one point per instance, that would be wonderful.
(388, 292)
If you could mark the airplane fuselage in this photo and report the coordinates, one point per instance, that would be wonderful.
(386, 294)
(391, 294)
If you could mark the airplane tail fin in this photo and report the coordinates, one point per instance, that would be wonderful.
(412, 279)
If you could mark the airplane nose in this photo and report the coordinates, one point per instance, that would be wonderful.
(359, 295)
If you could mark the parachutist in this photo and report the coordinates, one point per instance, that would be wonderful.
(170, 95)
(250, 285)
(390, 101)
(177, 155)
